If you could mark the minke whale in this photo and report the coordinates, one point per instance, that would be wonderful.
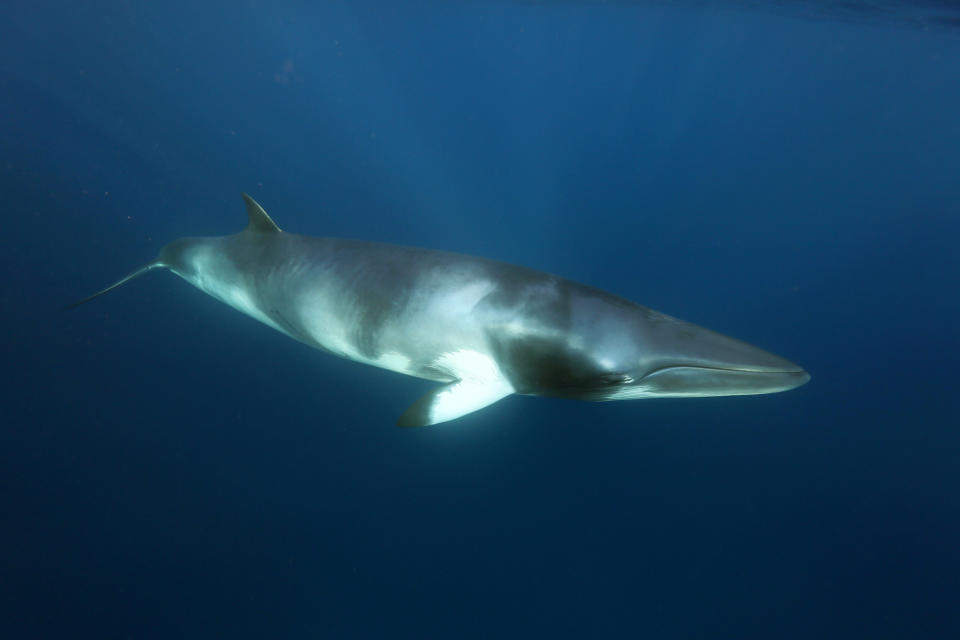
(482, 329)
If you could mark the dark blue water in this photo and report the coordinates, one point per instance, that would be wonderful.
(171, 469)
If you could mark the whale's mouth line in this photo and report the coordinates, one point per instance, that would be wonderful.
(760, 370)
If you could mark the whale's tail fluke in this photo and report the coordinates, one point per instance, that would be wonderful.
(130, 276)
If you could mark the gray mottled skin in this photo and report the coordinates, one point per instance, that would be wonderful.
(447, 317)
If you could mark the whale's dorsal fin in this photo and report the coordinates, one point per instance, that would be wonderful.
(260, 222)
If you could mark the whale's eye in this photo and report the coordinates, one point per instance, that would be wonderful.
(614, 379)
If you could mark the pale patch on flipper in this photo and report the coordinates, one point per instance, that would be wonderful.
(452, 401)
(479, 383)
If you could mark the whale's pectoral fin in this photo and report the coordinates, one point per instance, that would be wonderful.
(454, 400)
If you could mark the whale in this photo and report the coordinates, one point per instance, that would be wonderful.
(482, 329)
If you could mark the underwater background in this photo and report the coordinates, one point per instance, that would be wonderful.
(787, 173)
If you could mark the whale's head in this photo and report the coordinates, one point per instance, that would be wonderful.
(676, 359)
